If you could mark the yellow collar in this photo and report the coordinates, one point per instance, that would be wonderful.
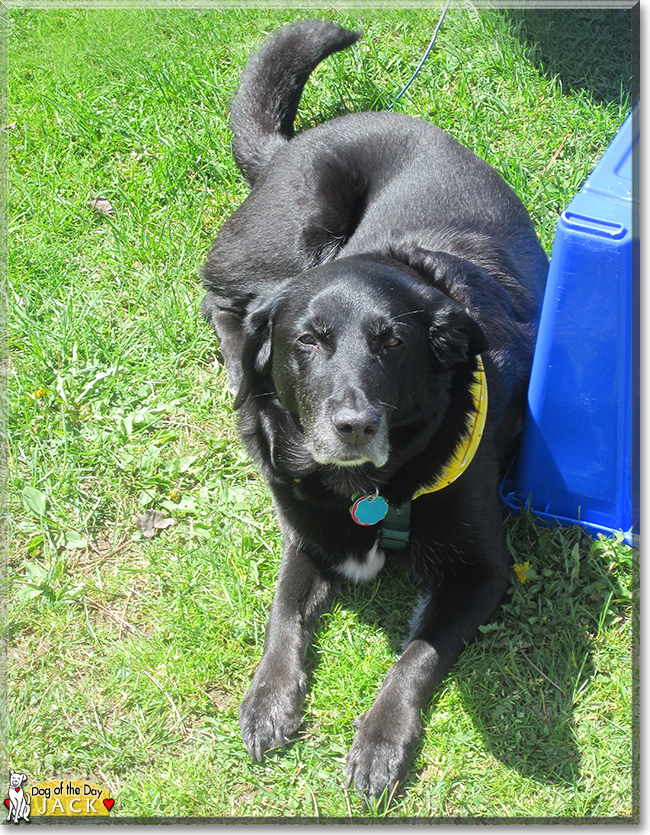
(466, 449)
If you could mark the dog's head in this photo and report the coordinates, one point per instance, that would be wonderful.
(16, 779)
(355, 350)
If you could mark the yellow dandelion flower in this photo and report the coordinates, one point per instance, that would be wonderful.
(521, 571)
(174, 496)
(39, 394)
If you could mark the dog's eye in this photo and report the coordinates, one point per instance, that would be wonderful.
(393, 342)
(307, 339)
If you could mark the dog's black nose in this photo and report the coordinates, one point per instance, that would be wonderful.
(356, 428)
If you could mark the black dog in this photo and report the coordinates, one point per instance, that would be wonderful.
(353, 293)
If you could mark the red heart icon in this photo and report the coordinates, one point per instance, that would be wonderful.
(108, 802)
(17, 789)
(7, 803)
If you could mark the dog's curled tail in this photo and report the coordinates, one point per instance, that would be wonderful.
(264, 108)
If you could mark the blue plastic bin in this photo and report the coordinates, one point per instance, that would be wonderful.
(579, 457)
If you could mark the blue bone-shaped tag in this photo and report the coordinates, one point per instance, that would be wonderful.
(368, 510)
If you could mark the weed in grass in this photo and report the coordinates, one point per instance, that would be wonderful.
(126, 656)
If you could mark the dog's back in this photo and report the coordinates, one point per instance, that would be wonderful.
(370, 182)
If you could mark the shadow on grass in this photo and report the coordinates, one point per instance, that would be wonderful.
(591, 49)
(519, 681)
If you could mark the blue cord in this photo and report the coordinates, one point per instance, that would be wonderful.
(424, 57)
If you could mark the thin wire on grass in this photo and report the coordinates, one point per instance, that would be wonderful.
(424, 58)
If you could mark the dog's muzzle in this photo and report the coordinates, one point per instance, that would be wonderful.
(349, 437)
(356, 428)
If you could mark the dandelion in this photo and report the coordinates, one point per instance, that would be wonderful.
(39, 394)
(522, 571)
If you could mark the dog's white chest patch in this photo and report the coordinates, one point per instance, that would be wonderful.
(361, 572)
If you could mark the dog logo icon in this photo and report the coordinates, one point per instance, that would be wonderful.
(18, 801)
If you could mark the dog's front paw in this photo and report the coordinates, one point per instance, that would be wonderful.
(271, 711)
(383, 743)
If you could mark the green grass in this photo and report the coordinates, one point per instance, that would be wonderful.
(126, 657)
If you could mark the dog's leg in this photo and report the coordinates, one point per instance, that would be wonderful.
(272, 709)
(387, 734)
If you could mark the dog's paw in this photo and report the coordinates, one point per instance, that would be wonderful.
(381, 750)
(271, 713)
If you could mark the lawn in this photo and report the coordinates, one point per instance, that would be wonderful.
(125, 656)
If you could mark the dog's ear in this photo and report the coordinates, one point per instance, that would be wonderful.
(454, 336)
(256, 351)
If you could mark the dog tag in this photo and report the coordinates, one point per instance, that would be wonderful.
(368, 510)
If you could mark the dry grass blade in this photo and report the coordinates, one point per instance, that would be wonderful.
(535, 667)
(177, 714)
(120, 621)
